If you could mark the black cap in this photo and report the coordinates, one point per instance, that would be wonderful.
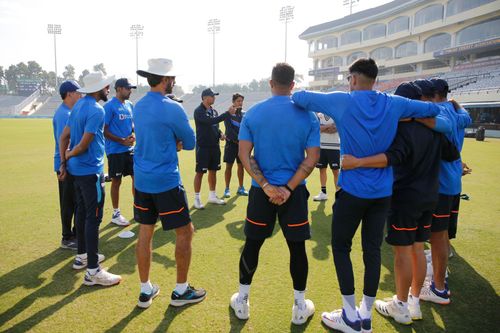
(409, 90)
(123, 82)
(208, 92)
(428, 89)
(441, 86)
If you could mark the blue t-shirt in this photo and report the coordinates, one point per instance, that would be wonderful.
(367, 122)
(450, 176)
(280, 133)
(159, 123)
(58, 122)
(118, 118)
(87, 116)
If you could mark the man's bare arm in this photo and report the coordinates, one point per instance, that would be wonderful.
(127, 141)
(305, 168)
(376, 161)
(81, 147)
(63, 146)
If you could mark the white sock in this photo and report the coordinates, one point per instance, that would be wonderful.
(299, 297)
(197, 196)
(212, 194)
(180, 288)
(365, 309)
(402, 304)
(116, 211)
(92, 271)
(413, 300)
(146, 287)
(244, 291)
(349, 306)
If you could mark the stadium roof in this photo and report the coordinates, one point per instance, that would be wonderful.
(371, 14)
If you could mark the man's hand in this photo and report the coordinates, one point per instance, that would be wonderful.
(222, 137)
(349, 162)
(274, 193)
(232, 110)
(129, 140)
(286, 194)
(465, 169)
(179, 145)
(455, 104)
(67, 154)
(62, 172)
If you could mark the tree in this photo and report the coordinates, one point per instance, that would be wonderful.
(85, 72)
(34, 70)
(11, 77)
(100, 67)
(69, 73)
(2, 74)
(22, 70)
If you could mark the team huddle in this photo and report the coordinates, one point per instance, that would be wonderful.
(398, 157)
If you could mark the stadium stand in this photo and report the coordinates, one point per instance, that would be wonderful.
(8, 104)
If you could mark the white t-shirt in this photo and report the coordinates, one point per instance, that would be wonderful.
(328, 140)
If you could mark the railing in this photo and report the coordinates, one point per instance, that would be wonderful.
(19, 107)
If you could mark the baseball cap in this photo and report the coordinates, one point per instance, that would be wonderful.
(440, 85)
(409, 90)
(426, 86)
(208, 92)
(68, 86)
(123, 82)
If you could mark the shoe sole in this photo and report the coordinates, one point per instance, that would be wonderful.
(145, 305)
(397, 321)
(328, 323)
(302, 322)
(436, 302)
(66, 247)
(121, 224)
(178, 303)
(90, 283)
(320, 200)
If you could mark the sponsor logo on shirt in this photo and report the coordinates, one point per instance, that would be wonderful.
(124, 116)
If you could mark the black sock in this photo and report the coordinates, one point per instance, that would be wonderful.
(323, 189)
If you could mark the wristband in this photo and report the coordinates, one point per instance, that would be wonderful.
(264, 185)
(288, 188)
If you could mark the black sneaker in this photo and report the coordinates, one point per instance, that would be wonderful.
(68, 244)
(145, 300)
(191, 295)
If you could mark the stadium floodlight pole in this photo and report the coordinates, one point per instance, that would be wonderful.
(54, 29)
(286, 15)
(136, 31)
(213, 28)
(350, 3)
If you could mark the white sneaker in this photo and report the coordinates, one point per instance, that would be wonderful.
(102, 277)
(241, 307)
(415, 312)
(198, 204)
(80, 261)
(120, 220)
(320, 197)
(392, 309)
(338, 321)
(216, 201)
(430, 294)
(300, 315)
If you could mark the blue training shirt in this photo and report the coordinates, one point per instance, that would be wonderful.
(367, 122)
(450, 175)
(58, 122)
(280, 133)
(159, 123)
(87, 116)
(118, 118)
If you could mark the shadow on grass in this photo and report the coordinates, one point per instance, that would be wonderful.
(211, 214)
(321, 225)
(169, 317)
(474, 302)
(237, 325)
(122, 324)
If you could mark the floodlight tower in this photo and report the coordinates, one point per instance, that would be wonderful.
(213, 28)
(350, 4)
(136, 31)
(286, 15)
(54, 29)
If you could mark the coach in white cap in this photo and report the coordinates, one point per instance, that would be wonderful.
(82, 155)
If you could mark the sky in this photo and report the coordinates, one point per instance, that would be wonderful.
(251, 40)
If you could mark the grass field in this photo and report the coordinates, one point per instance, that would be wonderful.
(40, 292)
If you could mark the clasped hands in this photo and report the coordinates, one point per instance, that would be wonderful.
(278, 195)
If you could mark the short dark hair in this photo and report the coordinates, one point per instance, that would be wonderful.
(283, 74)
(154, 80)
(63, 95)
(366, 66)
(237, 95)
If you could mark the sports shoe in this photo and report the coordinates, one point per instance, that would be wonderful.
(391, 308)
(191, 295)
(300, 315)
(215, 200)
(241, 307)
(321, 197)
(198, 204)
(68, 244)
(366, 324)
(145, 300)
(415, 312)
(119, 219)
(242, 191)
(338, 321)
(102, 277)
(430, 294)
(81, 262)
(227, 193)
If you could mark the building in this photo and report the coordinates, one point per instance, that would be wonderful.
(408, 39)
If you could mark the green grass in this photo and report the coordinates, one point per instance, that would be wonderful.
(40, 292)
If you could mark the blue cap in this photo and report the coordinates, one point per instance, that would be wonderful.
(441, 85)
(428, 89)
(409, 90)
(123, 82)
(208, 92)
(68, 86)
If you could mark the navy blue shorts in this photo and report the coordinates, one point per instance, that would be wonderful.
(121, 164)
(207, 158)
(231, 153)
(445, 216)
(409, 224)
(329, 157)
